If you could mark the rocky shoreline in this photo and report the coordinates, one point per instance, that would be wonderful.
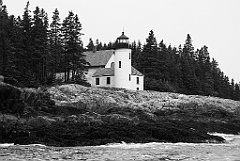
(73, 115)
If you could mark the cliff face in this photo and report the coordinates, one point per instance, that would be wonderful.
(73, 115)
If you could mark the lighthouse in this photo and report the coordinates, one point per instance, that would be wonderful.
(112, 68)
(122, 63)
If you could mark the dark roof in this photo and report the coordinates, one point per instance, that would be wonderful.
(110, 72)
(104, 72)
(98, 58)
(122, 36)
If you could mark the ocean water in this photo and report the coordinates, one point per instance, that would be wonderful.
(229, 151)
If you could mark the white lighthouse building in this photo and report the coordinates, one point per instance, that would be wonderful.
(112, 68)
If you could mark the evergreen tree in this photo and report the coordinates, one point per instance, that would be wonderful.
(7, 50)
(4, 41)
(203, 71)
(237, 92)
(188, 48)
(40, 45)
(147, 59)
(56, 44)
(73, 48)
(110, 46)
(25, 55)
(98, 45)
(151, 44)
(188, 68)
(104, 46)
(90, 46)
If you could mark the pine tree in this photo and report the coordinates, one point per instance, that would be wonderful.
(74, 60)
(188, 48)
(98, 45)
(136, 52)
(24, 55)
(39, 52)
(188, 68)
(237, 92)
(203, 71)
(4, 42)
(7, 50)
(147, 59)
(56, 51)
(90, 46)
(151, 44)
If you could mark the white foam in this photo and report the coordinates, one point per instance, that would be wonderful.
(228, 137)
(34, 145)
(6, 144)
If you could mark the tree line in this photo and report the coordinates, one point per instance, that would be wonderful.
(182, 70)
(32, 51)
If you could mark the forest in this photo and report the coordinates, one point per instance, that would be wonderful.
(33, 49)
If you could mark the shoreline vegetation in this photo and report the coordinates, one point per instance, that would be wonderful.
(73, 115)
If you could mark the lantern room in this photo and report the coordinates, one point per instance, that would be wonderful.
(122, 42)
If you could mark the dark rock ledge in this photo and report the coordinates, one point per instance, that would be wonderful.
(72, 115)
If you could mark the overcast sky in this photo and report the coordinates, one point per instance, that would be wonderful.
(214, 23)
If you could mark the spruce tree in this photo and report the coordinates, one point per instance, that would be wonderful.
(73, 48)
(24, 56)
(55, 44)
(90, 46)
(40, 45)
(151, 44)
(7, 50)
(188, 68)
(98, 45)
(188, 48)
(4, 41)
(237, 92)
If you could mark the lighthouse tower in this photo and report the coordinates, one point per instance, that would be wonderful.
(122, 65)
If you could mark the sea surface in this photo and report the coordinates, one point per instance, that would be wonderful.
(229, 151)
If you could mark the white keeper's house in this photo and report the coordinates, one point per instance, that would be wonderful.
(113, 68)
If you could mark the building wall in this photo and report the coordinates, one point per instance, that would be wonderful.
(134, 85)
(111, 60)
(103, 81)
(122, 74)
(89, 75)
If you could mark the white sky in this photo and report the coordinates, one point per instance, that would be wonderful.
(214, 23)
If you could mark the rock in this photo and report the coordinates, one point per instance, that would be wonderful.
(72, 119)
(59, 119)
(8, 118)
(39, 121)
(116, 118)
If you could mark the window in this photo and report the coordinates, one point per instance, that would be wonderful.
(97, 81)
(129, 77)
(112, 65)
(137, 80)
(120, 64)
(108, 80)
(137, 89)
